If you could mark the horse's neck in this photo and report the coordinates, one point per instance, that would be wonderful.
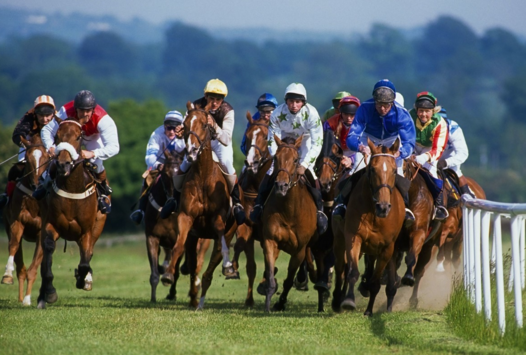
(292, 201)
(74, 182)
(205, 161)
(255, 180)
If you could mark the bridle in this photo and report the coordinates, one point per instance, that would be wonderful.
(79, 160)
(208, 137)
(264, 158)
(389, 187)
(335, 166)
(295, 173)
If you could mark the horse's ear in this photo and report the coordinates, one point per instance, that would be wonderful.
(25, 141)
(371, 144)
(249, 118)
(297, 144)
(189, 106)
(277, 140)
(395, 148)
(337, 150)
(208, 106)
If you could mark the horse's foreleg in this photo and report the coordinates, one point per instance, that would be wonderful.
(423, 260)
(321, 282)
(363, 287)
(269, 247)
(391, 286)
(353, 247)
(152, 246)
(191, 260)
(15, 231)
(21, 272)
(48, 293)
(339, 264)
(251, 272)
(381, 262)
(294, 263)
(32, 271)
(84, 274)
(184, 223)
(417, 239)
(242, 236)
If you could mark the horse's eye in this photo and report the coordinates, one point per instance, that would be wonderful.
(296, 161)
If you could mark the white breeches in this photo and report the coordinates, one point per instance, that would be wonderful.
(92, 145)
(225, 155)
(456, 169)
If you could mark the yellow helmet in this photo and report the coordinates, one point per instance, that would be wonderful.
(216, 86)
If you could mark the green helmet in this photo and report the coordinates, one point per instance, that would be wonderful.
(340, 95)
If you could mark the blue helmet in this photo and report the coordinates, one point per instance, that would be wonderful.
(267, 100)
(384, 91)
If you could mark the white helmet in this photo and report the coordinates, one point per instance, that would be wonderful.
(399, 98)
(174, 116)
(296, 91)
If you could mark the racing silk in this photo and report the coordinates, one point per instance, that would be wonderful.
(256, 117)
(224, 118)
(307, 122)
(26, 126)
(397, 122)
(456, 152)
(433, 134)
(328, 114)
(341, 135)
(159, 140)
(100, 132)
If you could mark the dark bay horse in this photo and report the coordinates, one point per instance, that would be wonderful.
(161, 232)
(72, 211)
(450, 243)
(257, 163)
(374, 218)
(288, 221)
(205, 205)
(22, 219)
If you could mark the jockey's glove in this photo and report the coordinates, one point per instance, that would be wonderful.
(301, 170)
(422, 159)
(442, 164)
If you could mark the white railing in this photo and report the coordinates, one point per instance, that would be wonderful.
(478, 265)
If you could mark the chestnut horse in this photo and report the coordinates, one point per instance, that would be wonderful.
(288, 221)
(205, 205)
(72, 211)
(257, 163)
(450, 244)
(22, 219)
(374, 218)
(161, 232)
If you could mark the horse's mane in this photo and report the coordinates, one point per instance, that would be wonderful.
(288, 140)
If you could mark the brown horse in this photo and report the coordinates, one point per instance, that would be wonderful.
(22, 219)
(161, 232)
(205, 205)
(72, 211)
(257, 163)
(288, 221)
(450, 244)
(374, 218)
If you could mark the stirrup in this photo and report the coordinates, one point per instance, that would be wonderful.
(339, 211)
(137, 216)
(322, 222)
(441, 213)
(409, 218)
(104, 204)
(255, 215)
(239, 213)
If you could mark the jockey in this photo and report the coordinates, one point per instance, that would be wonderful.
(40, 115)
(294, 118)
(335, 105)
(99, 138)
(456, 153)
(265, 105)
(382, 120)
(167, 136)
(221, 119)
(431, 139)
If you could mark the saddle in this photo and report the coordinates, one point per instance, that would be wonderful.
(451, 182)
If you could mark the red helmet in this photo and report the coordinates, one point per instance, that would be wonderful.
(349, 104)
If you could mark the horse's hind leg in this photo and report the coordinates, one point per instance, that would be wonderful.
(269, 251)
(14, 231)
(423, 259)
(84, 275)
(191, 260)
(417, 241)
(294, 263)
(242, 236)
(339, 265)
(32, 271)
(251, 272)
(353, 274)
(152, 246)
(48, 293)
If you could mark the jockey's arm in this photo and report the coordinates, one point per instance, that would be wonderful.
(458, 142)
(316, 139)
(152, 148)
(407, 133)
(224, 135)
(440, 134)
(109, 137)
(23, 128)
(274, 128)
(356, 131)
(47, 134)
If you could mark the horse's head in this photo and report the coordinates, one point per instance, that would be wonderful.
(36, 158)
(68, 141)
(172, 160)
(286, 161)
(196, 130)
(256, 145)
(381, 172)
(328, 162)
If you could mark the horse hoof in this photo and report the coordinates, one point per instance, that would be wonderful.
(87, 286)
(321, 285)
(278, 307)
(335, 306)
(348, 304)
(440, 268)
(249, 303)
(51, 297)
(262, 288)
(408, 280)
(7, 280)
(233, 276)
(170, 297)
(26, 301)
(368, 314)
(230, 273)
(413, 303)
(363, 290)
(167, 279)
(41, 304)
(301, 285)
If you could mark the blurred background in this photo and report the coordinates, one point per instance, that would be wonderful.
(143, 59)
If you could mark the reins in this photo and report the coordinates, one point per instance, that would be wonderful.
(389, 187)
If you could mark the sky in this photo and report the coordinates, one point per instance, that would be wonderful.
(307, 15)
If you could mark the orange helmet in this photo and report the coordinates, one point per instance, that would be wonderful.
(44, 105)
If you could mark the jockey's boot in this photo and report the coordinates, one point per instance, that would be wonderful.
(237, 208)
(137, 215)
(441, 212)
(322, 222)
(464, 187)
(264, 190)
(171, 204)
(341, 201)
(403, 185)
(104, 190)
(44, 185)
(15, 172)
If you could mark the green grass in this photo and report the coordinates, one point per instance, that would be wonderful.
(117, 317)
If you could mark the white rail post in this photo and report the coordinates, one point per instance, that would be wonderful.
(471, 259)
(478, 268)
(486, 217)
(499, 272)
(516, 264)
(523, 252)
(466, 249)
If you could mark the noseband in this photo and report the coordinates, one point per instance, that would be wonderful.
(267, 156)
(79, 159)
(374, 191)
(295, 174)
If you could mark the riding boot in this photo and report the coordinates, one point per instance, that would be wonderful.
(441, 212)
(403, 185)
(264, 190)
(103, 190)
(45, 181)
(173, 202)
(465, 189)
(4, 198)
(103, 183)
(237, 209)
(341, 201)
(138, 214)
(322, 222)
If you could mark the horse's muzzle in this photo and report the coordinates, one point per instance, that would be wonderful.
(382, 209)
(64, 169)
(282, 188)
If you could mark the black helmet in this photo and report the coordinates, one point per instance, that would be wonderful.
(84, 100)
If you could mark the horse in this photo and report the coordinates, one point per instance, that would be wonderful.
(450, 243)
(288, 221)
(374, 218)
(205, 205)
(72, 211)
(257, 163)
(22, 219)
(161, 232)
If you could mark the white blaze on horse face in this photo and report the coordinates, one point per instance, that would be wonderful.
(37, 154)
(189, 144)
(385, 167)
(252, 151)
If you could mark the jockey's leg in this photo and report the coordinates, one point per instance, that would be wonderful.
(237, 209)
(16, 172)
(346, 186)
(441, 212)
(171, 203)
(45, 181)
(264, 191)
(403, 185)
(313, 185)
(463, 184)
(103, 189)
(138, 214)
